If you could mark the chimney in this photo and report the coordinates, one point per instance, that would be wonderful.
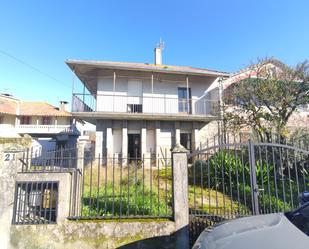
(63, 106)
(158, 53)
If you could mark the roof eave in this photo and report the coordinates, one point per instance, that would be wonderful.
(72, 63)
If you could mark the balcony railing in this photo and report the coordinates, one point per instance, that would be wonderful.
(143, 104)
(37, 128)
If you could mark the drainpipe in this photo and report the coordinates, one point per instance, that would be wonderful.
(114, 88)
(188, 105)
(152, 91)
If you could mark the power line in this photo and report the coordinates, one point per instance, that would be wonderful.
(33, 68)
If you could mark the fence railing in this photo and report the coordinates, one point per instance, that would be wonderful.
(231, 180)
(124, 187)
(60, 160)
(143, 104)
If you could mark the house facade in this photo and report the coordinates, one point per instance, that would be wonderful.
(142, 109)
(49, 126)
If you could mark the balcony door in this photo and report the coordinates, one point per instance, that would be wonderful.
(184, 100)
(135, 92)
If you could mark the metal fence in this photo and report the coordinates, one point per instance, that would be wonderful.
(62, 159)
(35, 202)
(124, 187)
(232, 180)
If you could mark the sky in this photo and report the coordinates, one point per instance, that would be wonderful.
(36, 37)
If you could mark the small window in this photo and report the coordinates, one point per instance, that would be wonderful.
(25, 120)
(35, 203)
(46, 120)
(135, 108)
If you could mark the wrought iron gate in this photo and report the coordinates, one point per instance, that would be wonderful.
(232, 180)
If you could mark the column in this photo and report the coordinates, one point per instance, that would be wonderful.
(144, 145)
(177, 133)
(109, 142)
(124, 148)
(98, 143)
(143, 139)
(157, 135)
(195, 137)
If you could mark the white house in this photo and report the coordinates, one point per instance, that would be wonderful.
(47, 125)
(143, 109)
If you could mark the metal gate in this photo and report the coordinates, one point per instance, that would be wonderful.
(232, 180)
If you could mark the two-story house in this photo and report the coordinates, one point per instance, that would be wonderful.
(143, 109)
(49, 126)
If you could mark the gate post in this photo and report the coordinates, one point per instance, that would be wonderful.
(253, 182)
(180, 195)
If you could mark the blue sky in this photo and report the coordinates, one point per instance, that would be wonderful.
(224, 35)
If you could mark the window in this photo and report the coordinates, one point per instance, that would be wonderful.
(25, 120)
(35, 202)
(1, 120)
(46, 120)
(135, 108)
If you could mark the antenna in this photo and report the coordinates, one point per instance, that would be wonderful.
(160, 44)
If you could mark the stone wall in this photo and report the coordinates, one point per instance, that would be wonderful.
(94, 235)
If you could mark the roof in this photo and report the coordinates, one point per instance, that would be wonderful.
(40, 109)
(272, 61)
(29, 108)
(8, 105)
(147, 67)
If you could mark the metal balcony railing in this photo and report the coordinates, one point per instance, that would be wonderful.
(143, 104)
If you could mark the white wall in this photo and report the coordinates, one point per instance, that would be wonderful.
(164, 98)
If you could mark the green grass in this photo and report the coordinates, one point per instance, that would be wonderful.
(136, 197)
(138, 193)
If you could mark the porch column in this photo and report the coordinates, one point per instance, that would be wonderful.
(109, 141)
(56, 122)
(37, 122)
(177, 133)
(157, 139)
(124, 148)
(195, 137)
(144, 140)
(98, 143)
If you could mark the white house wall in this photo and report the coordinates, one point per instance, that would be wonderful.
(164, 98)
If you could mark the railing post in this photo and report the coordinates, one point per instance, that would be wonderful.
(180, 196)
(253, 182)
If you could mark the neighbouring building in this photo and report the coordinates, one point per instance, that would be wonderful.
(144, 109)
(49, 126)
(267, 68)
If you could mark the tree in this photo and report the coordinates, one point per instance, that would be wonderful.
(267, 98)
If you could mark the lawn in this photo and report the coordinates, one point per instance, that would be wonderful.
(134, 191)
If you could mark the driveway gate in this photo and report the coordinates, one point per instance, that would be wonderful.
(232, 180)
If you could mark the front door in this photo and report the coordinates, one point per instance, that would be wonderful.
(134, 145)
(184, 100)
(185, 141)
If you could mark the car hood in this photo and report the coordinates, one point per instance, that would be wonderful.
(263, 231)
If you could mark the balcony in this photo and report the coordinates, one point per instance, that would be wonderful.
(44, 129)
(123, 106)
